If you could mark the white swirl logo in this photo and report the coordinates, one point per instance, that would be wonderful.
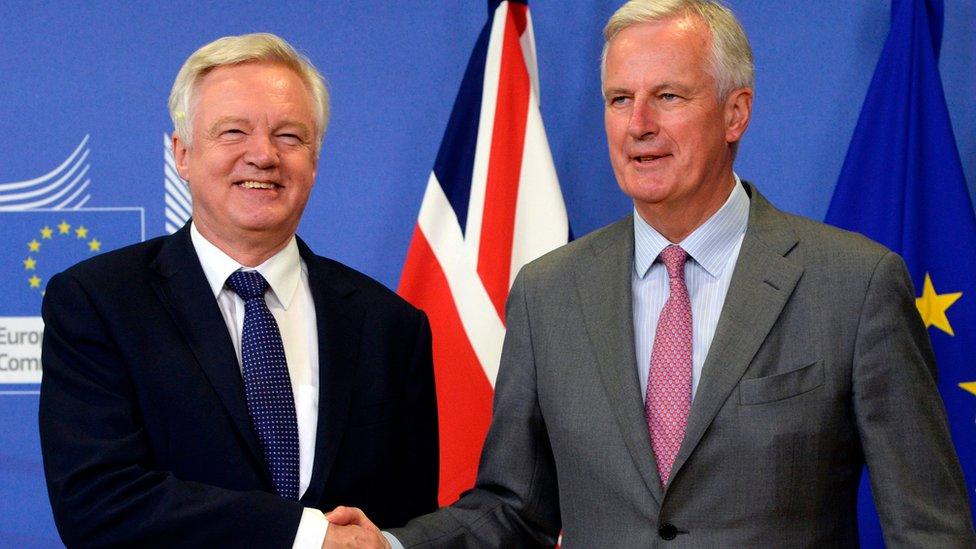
(63, 188)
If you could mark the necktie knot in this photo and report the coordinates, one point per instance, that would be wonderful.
(674, 258)
(247, 284)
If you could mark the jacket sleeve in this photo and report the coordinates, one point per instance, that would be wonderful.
(915, 475)
(514, 502)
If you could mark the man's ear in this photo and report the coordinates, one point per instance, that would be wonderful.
(181, 156)
(738, 111)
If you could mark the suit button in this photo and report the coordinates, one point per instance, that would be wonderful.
(667, 531)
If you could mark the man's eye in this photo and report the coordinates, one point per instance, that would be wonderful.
(618, 99)
(232, 132)
(668, 96)
(291, 138)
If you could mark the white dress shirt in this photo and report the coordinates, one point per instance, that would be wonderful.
(290, 302)
(712, 251)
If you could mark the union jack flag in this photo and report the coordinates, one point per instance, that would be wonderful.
(492, 204)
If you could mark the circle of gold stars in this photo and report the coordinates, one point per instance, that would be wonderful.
(47, 233)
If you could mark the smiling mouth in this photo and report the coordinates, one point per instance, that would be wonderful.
(257, 185)
(648, 158)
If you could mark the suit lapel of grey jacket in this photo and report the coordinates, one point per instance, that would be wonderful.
(762, 283)
(603, 280)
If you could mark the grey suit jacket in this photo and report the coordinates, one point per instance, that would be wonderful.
(819, 365)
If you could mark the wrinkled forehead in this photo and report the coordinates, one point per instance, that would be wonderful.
(682, 30)
(674, 45)
(274, 71)
(276, 75)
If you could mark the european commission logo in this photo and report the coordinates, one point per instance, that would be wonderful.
(47, 227)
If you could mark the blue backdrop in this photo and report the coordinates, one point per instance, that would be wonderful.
(92, 79)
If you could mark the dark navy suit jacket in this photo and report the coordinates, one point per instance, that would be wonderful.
(144, 428)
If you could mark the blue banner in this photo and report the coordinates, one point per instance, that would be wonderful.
(902, 184)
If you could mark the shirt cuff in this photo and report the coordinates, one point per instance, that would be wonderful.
(311, 530)
(394, 543)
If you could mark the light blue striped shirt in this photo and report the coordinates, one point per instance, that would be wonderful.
(712, 250)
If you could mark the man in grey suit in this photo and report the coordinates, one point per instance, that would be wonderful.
(710, 372)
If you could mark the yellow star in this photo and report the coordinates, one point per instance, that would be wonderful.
(94, 245)
(969, 386)
(34, 282)
(932, 306)
(30, 263)
(34, 245)
(63, 228)
(46, 232)
(81, 232)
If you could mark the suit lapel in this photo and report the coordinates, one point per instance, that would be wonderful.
(604, 283)
(339, 318)
(761, 284)
(184, 291)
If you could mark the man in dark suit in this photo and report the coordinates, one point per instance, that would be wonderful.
(710, 372)
(224, 385)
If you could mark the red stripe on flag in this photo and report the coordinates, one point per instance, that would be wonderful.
(463, 392)
(505, 163)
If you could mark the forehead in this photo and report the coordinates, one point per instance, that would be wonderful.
(678, 45)
(257, 83)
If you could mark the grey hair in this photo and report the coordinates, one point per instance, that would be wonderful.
(731, 61)
(236, 50)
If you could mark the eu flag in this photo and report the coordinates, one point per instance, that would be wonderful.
(902, 184)
(39, 243)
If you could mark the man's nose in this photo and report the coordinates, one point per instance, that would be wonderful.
(643, 120)
(261, 151)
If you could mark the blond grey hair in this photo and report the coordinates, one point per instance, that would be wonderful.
(236, 50)
(731, 60)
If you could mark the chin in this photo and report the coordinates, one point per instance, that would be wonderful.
(257, 226)
(648, 192)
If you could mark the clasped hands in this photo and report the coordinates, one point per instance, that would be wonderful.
(349, 527)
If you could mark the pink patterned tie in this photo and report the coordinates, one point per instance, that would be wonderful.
(668, 399)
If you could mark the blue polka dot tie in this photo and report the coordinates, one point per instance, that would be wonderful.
(267, 387)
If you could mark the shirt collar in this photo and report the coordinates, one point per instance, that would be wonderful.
(282, 270)
(709, 245)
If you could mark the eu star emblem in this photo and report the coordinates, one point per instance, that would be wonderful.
(932, 306)
(41, 243)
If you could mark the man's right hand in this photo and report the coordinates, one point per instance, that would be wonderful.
(349, 527)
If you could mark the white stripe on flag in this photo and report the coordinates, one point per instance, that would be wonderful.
(482, 326)
(527, 41)
(541, 224)
(482, 154)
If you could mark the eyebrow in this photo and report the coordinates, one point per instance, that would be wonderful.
(671, 85)
(666, 85)
(239, 120)
(227, 120)
(300, 125)
(612, 91)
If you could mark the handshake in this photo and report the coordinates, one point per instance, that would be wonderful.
(349, 527)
